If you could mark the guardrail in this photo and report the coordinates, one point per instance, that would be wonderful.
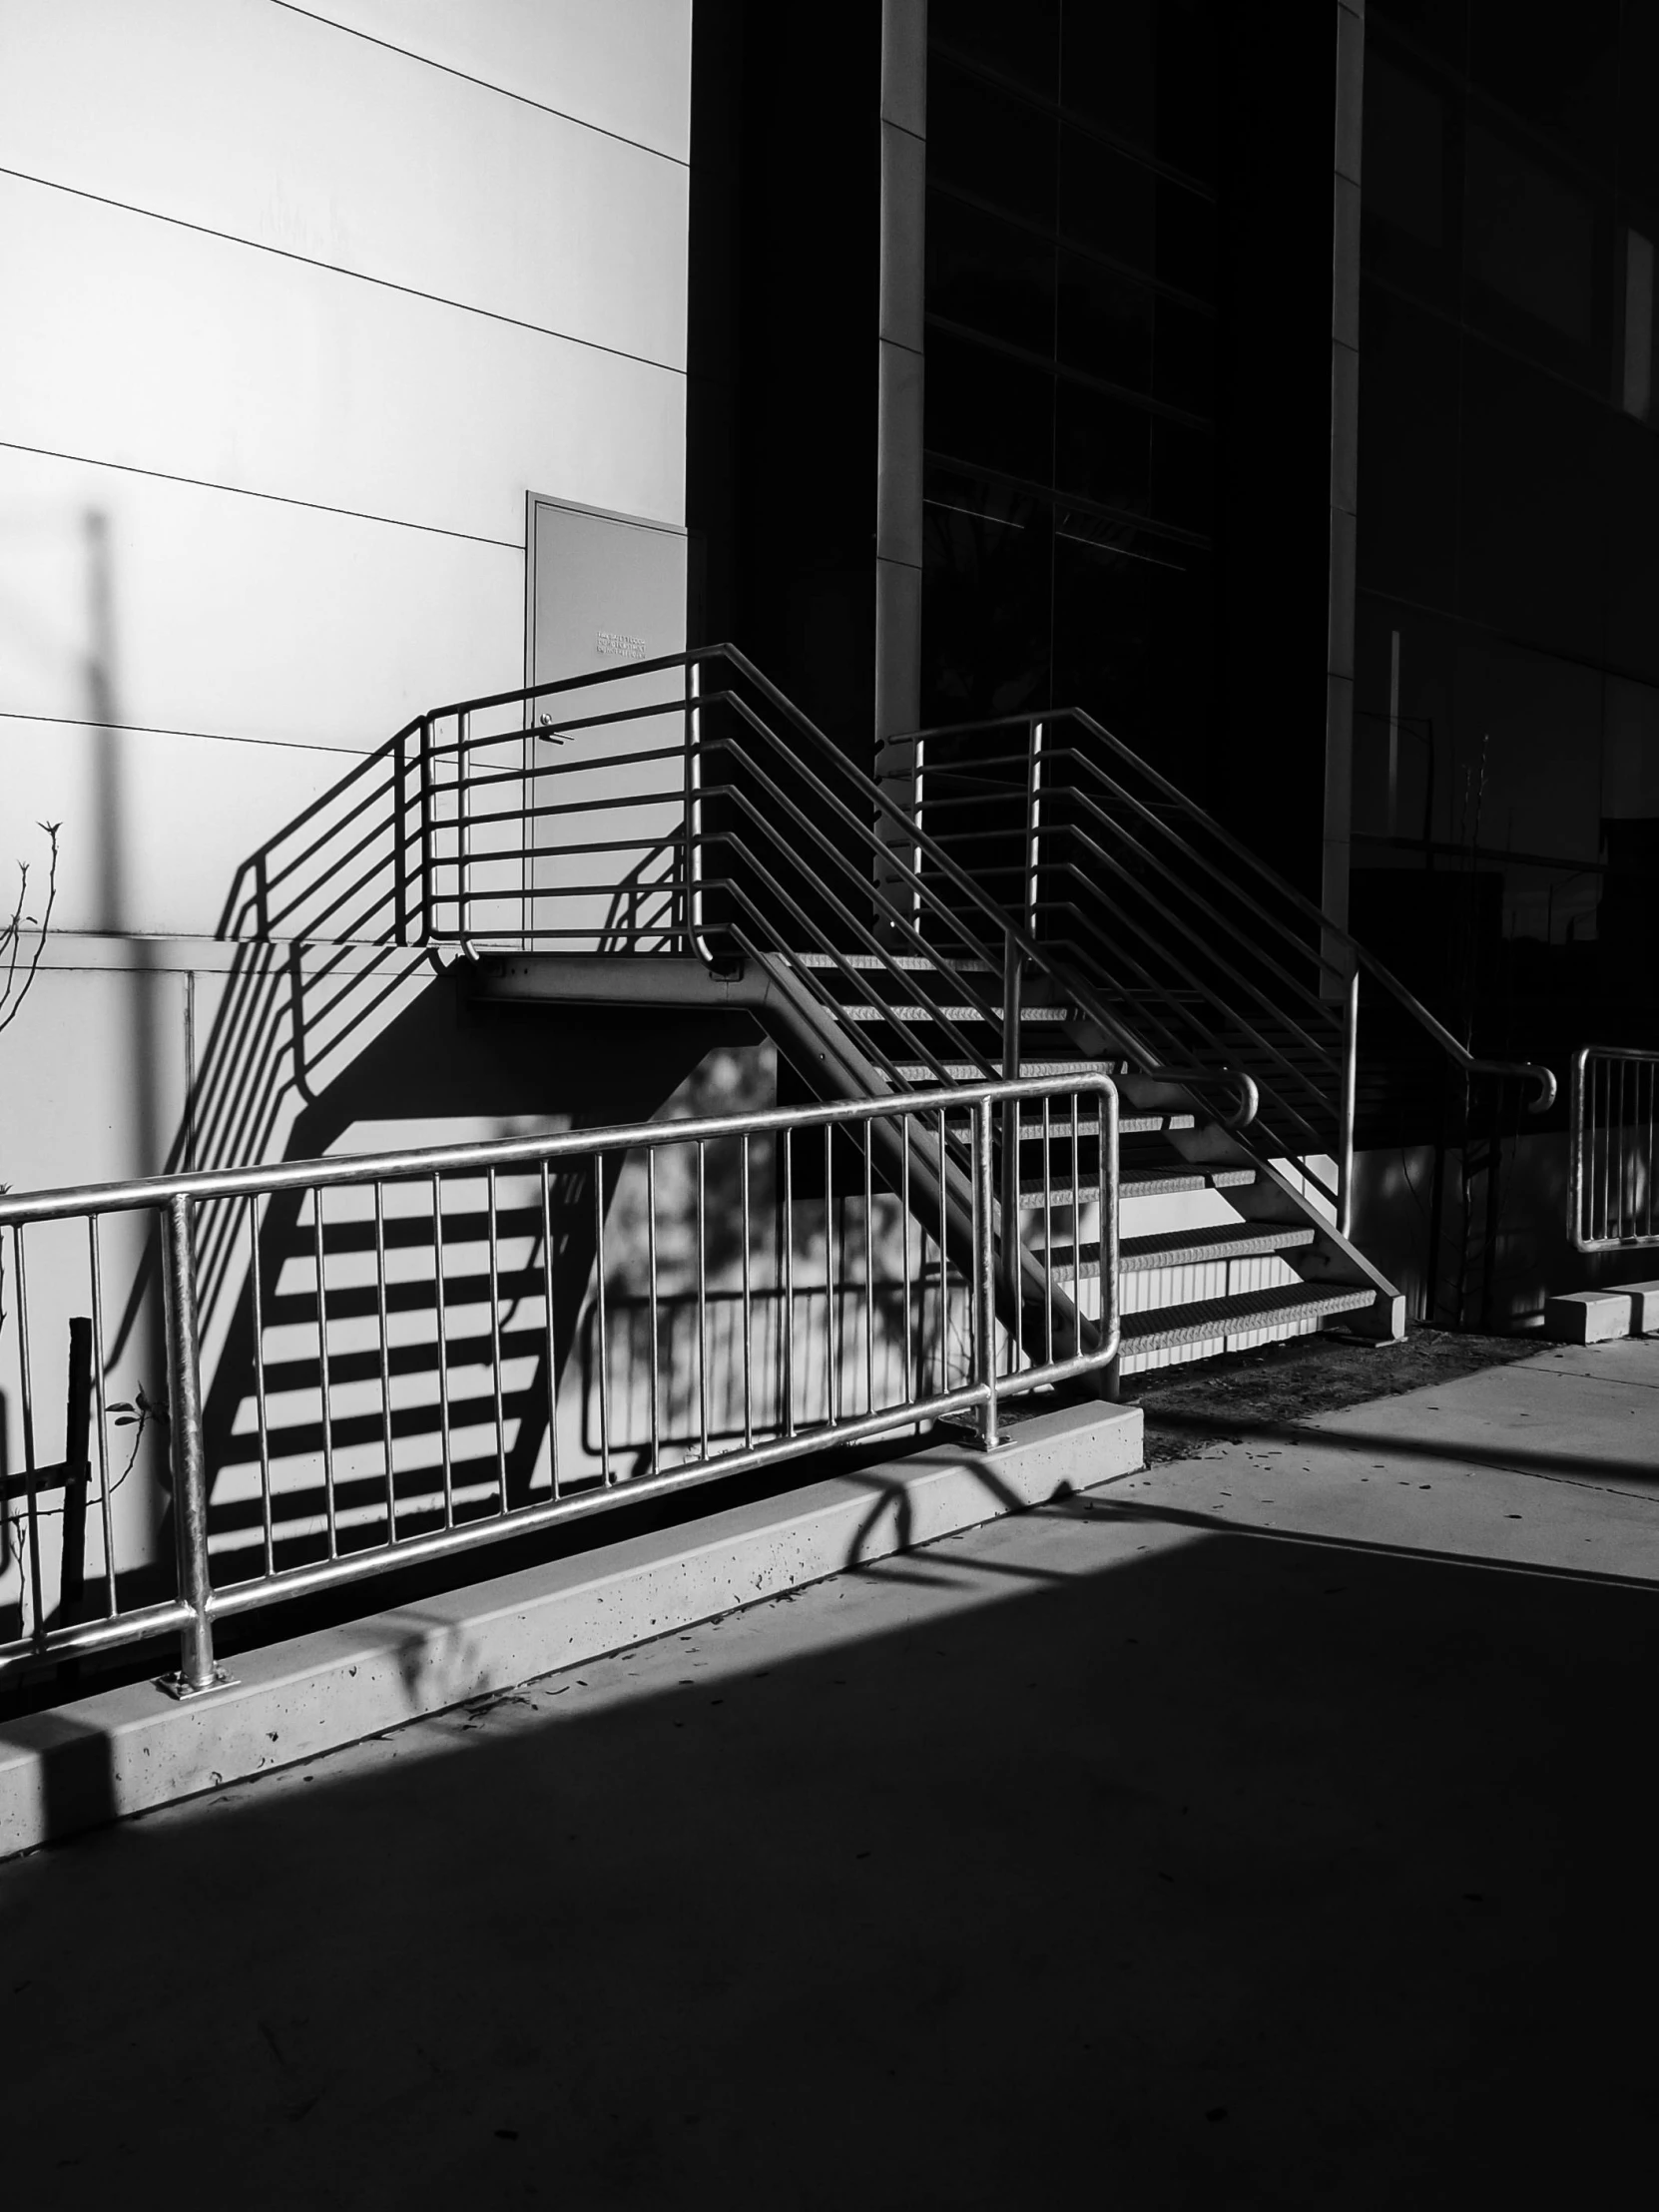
(1615, 1107)
(677, 805)
(1197, 942)
(408, 1320)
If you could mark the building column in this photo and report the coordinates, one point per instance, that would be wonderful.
(899, 355)
(1345, 451)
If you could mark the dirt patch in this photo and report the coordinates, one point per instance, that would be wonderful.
(1288, 1382)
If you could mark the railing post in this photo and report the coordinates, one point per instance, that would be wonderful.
(694, 812)
(463, 843)
(1033, 825)
(400, 859)
(984, 1264)
(196, 1671)
(1011, 975)
(425, 828)
(1345, 1132)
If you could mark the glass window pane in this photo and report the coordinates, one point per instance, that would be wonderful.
(1103, 448)
(1186, 239)
(982, 407)
(991, 143)
(989, 274)
(1106, 200)
(1106, 65)
(1105, 322)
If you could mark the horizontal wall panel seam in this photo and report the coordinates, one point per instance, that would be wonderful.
(466, 76)
(244, 491)
(337, 269)
(204, 736)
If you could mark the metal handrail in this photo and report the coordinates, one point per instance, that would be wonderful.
(858, 822)
(929, 1153)
(1359, 957)
(1613, 1149)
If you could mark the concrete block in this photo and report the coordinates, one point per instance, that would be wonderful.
(124, 1751)
(1644, 1307)
(1588, 1317)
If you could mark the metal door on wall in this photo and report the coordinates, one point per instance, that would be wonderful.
(604, 834)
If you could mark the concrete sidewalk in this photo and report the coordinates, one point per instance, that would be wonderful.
(1552, 1463)
(1268, 1829)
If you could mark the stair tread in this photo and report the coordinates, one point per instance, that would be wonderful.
(961, 1071)
(866, 1010)
(916, 962)
(1157, 1182)
(1129, 1125)
(1173, 1248)
(1162, 1326)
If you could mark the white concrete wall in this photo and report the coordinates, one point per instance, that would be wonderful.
(300, 305)
(297, 305)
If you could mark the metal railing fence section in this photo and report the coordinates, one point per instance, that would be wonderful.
(1202, 947)
(437, 1349)
(1613, 1160)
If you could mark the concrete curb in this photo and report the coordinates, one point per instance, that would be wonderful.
(1603, 1317)
(124, 1751)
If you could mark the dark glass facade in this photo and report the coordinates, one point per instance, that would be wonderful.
(1071, 328)
(1506, 745)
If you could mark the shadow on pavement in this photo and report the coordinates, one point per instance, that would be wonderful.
(1238, 1874)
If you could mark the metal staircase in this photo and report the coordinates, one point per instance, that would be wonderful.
(1207, 1275)
(678, 832)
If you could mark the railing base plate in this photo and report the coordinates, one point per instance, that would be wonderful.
(175, 1685)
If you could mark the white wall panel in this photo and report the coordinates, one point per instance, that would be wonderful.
(200, 610)
(266, 123)
(92, 1079)
(163, 349)
(154, 826)
(624, 65)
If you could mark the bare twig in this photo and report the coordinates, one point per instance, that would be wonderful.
(13, 994)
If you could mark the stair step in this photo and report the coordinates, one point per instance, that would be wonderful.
(1129, 1125)
(916, 962)
(1162, 1327)
(1159, 1182)
(961, 1071)
(1177, 1247)
(864, 1012)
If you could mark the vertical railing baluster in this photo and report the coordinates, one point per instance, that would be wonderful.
(440, 1306)
(385, 1357)
(985, 1269)
(748, 1315)
(869, 1278)
(26, 1391)
(426, 885)
(978, 1229)
(493, 1227)
(912, 1379)
(552, 1340)
(101, 1415)
(604, 1361)
(787, 1270)
(260, 1409)
(701, 1297)
(464, 832)
(944, 1267)
(651, 1291)
(319, 1261)
(196, 1671)
(831, 1354)
(1011, 982)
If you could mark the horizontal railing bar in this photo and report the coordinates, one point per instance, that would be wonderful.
(208, 1183)
(99, 1635)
